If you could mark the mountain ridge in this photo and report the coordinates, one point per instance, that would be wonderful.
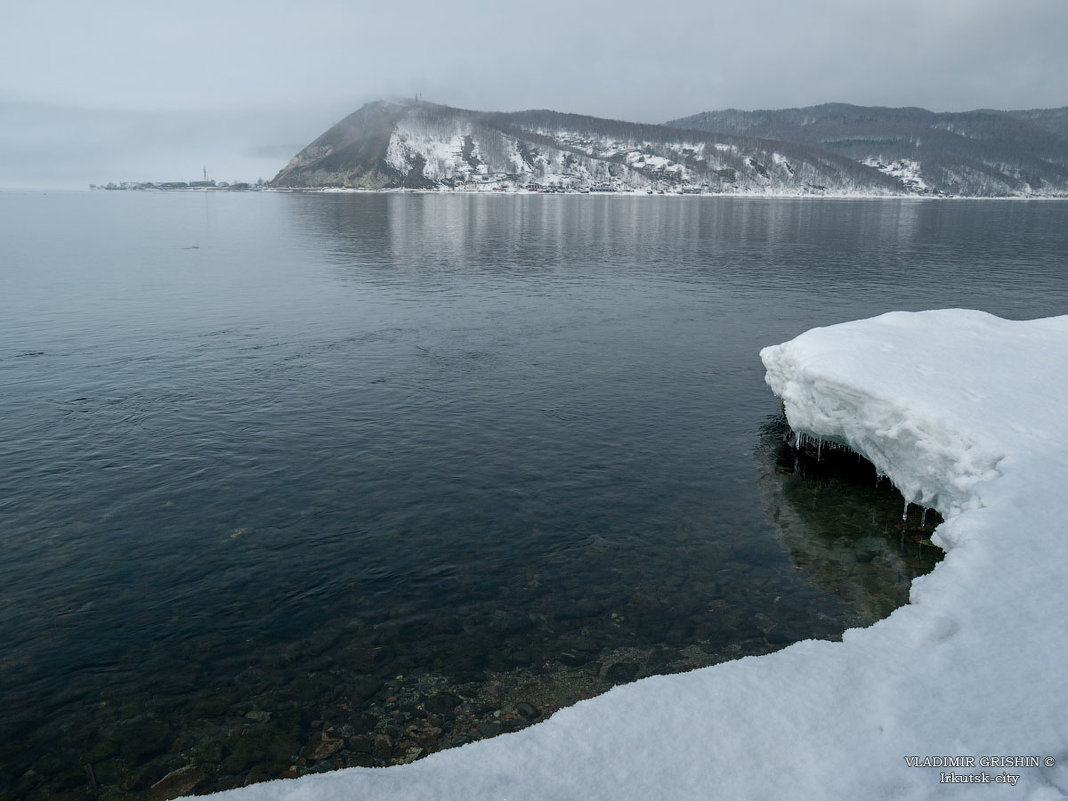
(422, 145)
(981, 153)
(834, 149)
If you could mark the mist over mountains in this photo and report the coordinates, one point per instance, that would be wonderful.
(833, 149)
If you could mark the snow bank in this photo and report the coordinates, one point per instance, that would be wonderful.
(965, 412)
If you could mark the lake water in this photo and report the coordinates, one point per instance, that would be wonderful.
(290, 482)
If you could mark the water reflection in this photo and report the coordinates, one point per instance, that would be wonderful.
(842, 526)
(872, 255)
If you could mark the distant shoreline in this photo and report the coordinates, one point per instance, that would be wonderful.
(179, 186)
(211, 186)
(645, 193)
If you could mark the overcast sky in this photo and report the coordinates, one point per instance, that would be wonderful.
(148, 90)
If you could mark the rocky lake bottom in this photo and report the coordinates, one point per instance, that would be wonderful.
(398, 690)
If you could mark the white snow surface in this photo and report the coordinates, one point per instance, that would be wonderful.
(908, 171)
(966, 413)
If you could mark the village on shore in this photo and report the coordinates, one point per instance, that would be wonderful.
(179, 186)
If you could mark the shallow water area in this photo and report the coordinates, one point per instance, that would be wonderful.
(298, 482)
(336, 699)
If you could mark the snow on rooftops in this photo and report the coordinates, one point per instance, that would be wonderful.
(966, 684)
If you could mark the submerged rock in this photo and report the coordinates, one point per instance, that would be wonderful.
(321, 746)
(177, 782)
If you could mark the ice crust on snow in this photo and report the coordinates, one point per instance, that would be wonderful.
(965, 412)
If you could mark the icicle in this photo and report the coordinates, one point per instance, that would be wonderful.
(905, 513)
(819, 447)
(923, 517)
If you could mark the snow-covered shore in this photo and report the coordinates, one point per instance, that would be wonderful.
(966, 413)
(761, 195)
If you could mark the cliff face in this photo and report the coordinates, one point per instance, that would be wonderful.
(421, 145)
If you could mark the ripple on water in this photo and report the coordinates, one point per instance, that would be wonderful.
(404, 683)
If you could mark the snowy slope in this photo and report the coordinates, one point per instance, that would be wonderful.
(419, 145)
(982, 153)
(908, 171)
(964, 412)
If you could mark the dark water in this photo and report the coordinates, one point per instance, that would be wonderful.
(293, 482)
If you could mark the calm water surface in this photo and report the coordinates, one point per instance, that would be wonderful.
(293, 482)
